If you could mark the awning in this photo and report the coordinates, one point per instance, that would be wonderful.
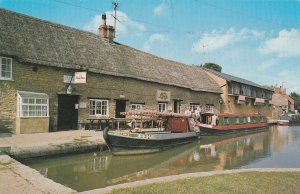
(259, 101)
(241, 99)
(25, 94)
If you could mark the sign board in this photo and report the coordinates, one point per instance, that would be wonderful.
(67, 79)
(80, 77)
(82, 105)
(164, 96)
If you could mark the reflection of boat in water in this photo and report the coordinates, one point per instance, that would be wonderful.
(177, 131)
(225, 123)
(85, 171)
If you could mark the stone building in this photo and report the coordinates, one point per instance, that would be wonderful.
(282, 102)
(242, 96)
(54, 77)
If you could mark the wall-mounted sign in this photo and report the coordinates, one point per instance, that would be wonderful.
(82, 105)
(80, 77)
(164, 96)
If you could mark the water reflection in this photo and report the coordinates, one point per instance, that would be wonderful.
(85, 171)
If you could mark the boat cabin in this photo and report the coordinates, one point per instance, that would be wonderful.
(232, 119)
(153, 120)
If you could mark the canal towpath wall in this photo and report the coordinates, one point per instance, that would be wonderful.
(46, 144)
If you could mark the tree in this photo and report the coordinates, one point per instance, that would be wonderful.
(213, 66)
(296, 97)
(270, 87)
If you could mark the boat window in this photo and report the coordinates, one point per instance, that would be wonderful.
(226, 121)
(237, 120)
(249, 119)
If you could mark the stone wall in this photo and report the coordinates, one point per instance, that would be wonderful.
(229, 105)
(49, 80)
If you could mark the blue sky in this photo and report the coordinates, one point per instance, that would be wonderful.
(258, 40)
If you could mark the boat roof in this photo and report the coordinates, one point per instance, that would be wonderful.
(233, 114)
(152, 113)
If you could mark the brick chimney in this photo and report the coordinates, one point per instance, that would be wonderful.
(106, 31)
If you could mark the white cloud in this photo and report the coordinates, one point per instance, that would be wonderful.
(286, 44)
(154, 38)
(290, 80)
(267, 64)
(160, 9)
(216, 40)
(124, 25)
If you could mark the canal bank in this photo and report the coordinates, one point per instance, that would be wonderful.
(18, 178)
(25, 146)
(188, 177)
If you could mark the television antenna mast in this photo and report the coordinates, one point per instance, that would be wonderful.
(116, 5)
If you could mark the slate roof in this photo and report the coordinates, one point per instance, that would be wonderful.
(41, 42)
(236, 79)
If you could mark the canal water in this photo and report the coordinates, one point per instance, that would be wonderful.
(277, 146)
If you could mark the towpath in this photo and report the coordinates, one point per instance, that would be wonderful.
(54, 143)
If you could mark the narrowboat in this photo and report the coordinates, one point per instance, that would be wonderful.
(172, 130)
(290, 119)
(226, 123)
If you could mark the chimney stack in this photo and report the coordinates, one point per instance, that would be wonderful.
(106, 31)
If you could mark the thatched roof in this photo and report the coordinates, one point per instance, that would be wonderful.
(41, 42)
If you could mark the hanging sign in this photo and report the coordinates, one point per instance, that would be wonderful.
(80, 77)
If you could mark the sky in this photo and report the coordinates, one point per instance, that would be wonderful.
(258, 40)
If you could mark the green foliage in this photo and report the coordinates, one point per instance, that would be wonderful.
(296, 97)
(213, 66)
(270, 87)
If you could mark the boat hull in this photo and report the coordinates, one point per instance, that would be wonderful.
(283, 122)
(124, 145)
(229, 129)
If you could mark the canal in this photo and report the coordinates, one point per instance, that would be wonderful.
(277, 146)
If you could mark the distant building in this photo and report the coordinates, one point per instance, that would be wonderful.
(282, 102)
(242, 96)
(39, 90)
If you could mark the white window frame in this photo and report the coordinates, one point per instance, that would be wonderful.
(136, 106)
(99, 111)
(209, 108)
(194, 107)
(32, 106)
(10, 65)
(162, 106)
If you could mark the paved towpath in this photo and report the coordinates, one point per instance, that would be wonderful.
(43, 144)
(18, 178)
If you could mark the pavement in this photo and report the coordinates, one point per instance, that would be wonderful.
(45, 144)
(18, 178)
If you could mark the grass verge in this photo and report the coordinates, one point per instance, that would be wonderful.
(246, 182)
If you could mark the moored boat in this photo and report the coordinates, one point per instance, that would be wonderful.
(283, 122)
(224, 123)
(289, 119)
(173, 130)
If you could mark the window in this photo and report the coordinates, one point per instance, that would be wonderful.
(5, 68)
(98, 107)
(33, 104)
(226, 121)
(237, 120)
(209, 108)
(194, 107)
(136, 107)
(162, 107)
